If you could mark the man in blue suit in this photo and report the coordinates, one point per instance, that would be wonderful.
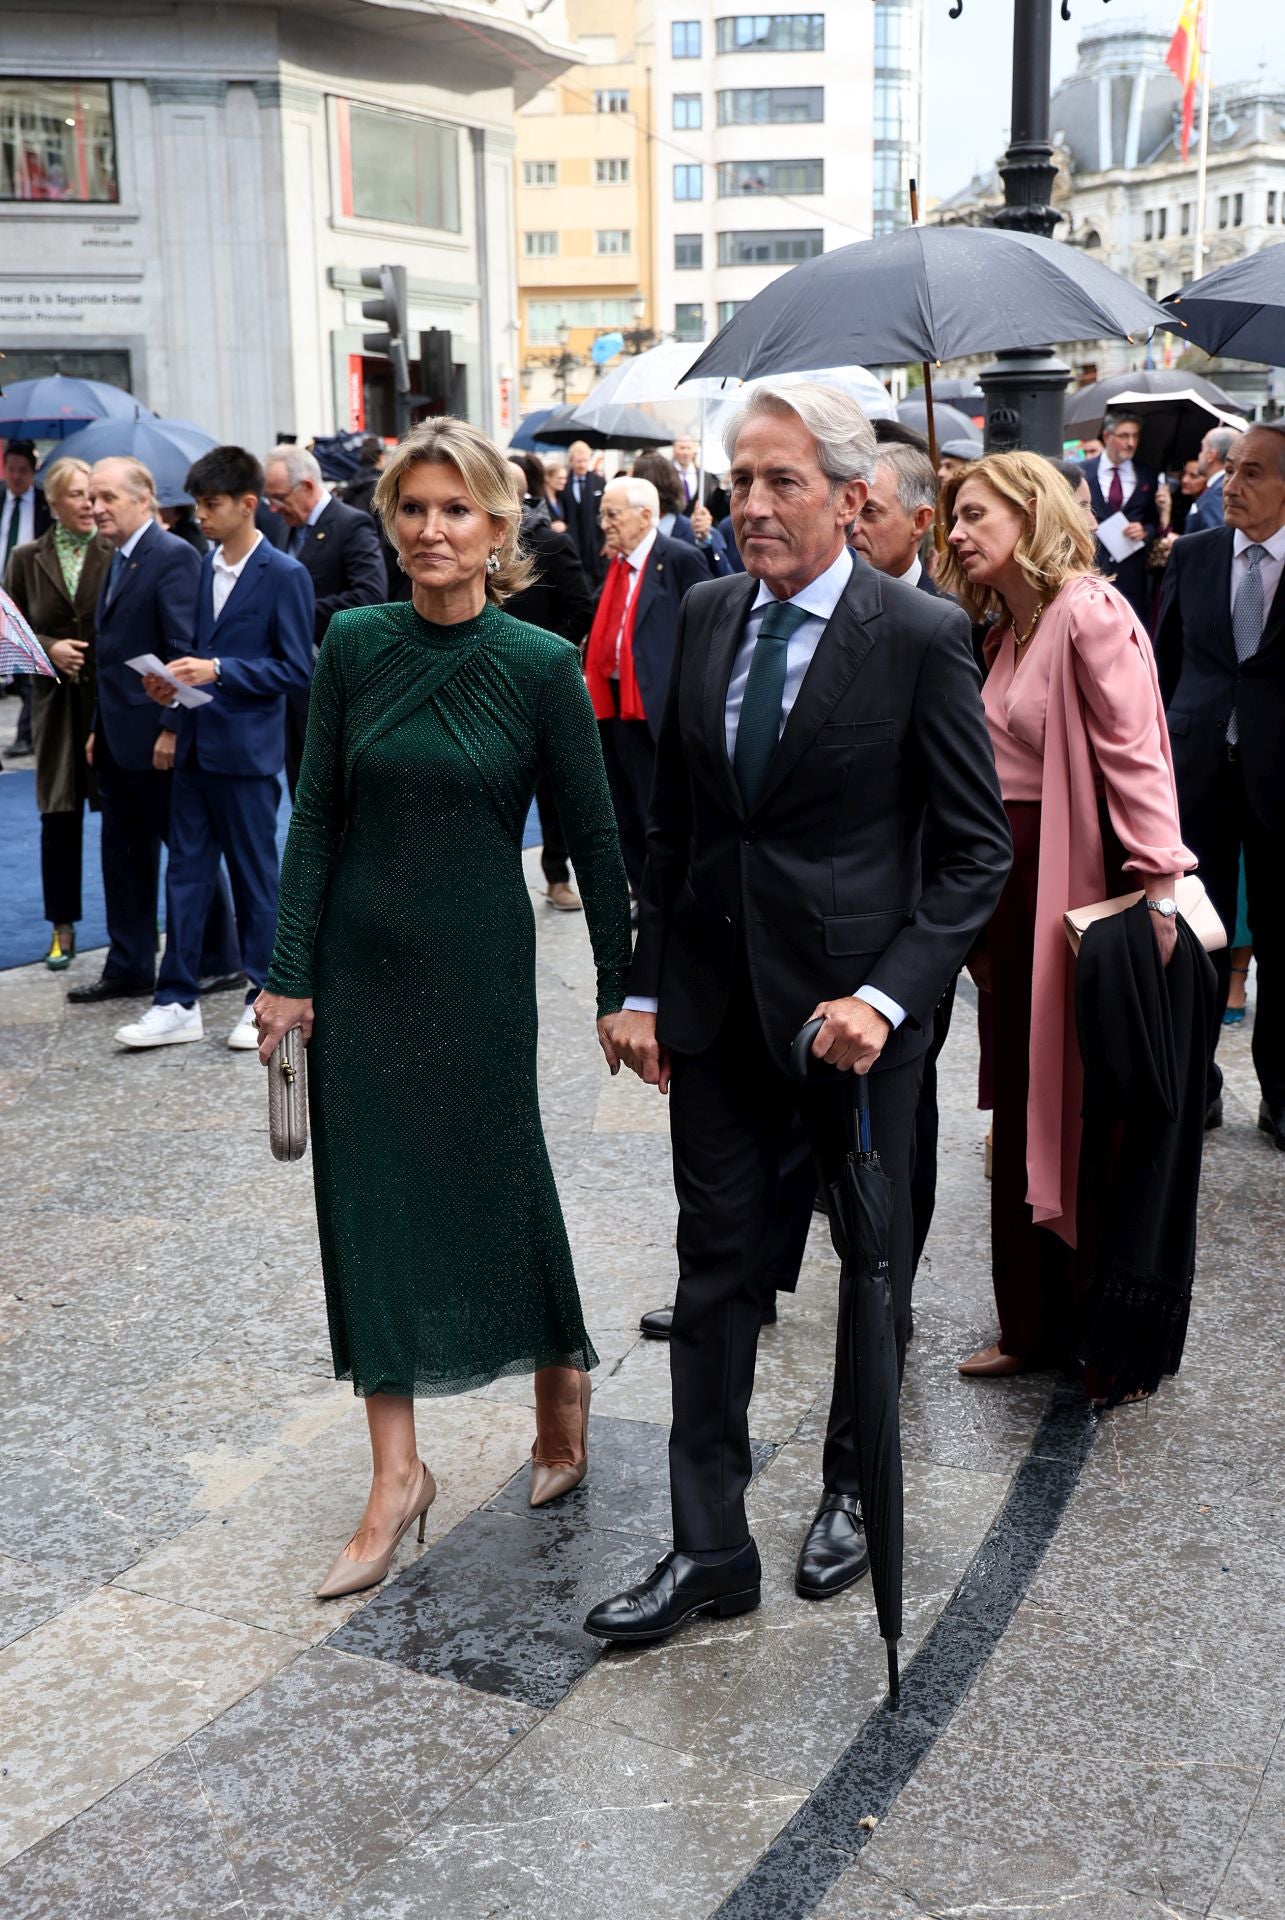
(253, 647)
(148, 605)
(1120, 484)
(1207, 509)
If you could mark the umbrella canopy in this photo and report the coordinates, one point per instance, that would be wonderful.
(1173, 424)
(1086, 407)
(950, 423)
(860, 1205)
(166, 448)
(1238, 310)
(928, 293)
(617, 426)
(964, 394)
(58, 404)
(526, 435)
(20, 651)
(652, 379)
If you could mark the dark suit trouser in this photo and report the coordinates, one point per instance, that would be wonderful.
(214, 816)
(1217, 832)
(923, 1173)
(62, 841)
(553, 850)
(136, 822)
(296, 731)
(732, 1111)
(630, 754)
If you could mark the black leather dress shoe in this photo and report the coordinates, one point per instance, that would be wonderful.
(658, 1322)
(834, 1555)
(110, 986)
(221, 983)
(675, 1592)
(1214, 1113)
(1272, 1120)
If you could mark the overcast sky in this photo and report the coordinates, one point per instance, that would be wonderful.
(968, 68)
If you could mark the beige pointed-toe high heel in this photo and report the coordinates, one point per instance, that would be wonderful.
(354, 1576)
(550, 1479)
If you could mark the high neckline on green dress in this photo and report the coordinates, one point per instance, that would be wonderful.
(455, 634)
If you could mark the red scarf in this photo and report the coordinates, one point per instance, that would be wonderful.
(600, 655)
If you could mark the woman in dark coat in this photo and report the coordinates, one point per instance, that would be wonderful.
(55, 581)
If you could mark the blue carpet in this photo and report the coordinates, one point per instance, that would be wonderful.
(24, 931)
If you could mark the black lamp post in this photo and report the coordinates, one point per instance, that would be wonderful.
(564, 363)
(1025, 391)
(638, 338)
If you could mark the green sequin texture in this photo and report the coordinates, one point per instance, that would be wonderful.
(404, 912)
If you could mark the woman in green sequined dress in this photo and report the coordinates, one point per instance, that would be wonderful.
(405, 949)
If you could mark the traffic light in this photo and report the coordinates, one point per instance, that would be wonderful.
(436, 373)
(390, 309)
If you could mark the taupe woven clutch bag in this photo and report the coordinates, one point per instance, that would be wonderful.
(1194, 904)
(288, 1098)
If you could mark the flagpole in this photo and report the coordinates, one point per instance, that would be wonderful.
(1202, 165)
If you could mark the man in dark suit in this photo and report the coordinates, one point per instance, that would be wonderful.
(818, 716)
(1120, 484)
(578, 504)
(147, 605)
(1220, 647)
(253, 646)
(24, 516)
(631, 650)
(339, 546)
(1207, 510)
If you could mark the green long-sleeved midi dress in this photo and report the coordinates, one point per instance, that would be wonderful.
(405, 915)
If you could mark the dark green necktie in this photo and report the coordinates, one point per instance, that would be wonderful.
(759, 727)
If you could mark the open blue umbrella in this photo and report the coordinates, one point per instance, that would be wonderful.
(55, 405)
(527, 437)
(166, 448)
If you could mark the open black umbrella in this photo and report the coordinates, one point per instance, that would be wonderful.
(625, 426)
(949, 422)
(1175, 411)
(859, 1204)
(1238, 310)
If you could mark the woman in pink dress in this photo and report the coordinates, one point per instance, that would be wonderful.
(1075, 716)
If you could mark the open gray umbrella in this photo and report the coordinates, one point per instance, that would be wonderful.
(949, 422)
(928, 293)
(623, 426)
(1238, 310)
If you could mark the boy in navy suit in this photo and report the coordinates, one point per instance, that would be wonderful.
(253, 646)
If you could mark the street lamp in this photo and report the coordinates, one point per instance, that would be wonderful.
(638, 338)
(1025, 391)
(564, 363)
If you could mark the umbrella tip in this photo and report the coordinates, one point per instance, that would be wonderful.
(894, 1677)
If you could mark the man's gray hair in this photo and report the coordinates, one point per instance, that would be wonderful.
(639, 493)
(1112, 421)
(297, 461)
(913, 472)
(846, 448)
(1221, 440)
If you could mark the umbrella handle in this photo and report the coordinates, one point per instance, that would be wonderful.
(805, 1066)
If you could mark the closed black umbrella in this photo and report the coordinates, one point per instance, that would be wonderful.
(1239, 310)
(859, 1204)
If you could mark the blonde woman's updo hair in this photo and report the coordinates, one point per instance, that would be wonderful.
(488, 480)
(1055, 542)
(60, 476)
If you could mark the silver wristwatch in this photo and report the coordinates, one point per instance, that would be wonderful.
(217, 664)
(1167, 907)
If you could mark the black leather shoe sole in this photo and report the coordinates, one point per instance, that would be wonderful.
(1214, 1114)
(110, 990)
(656, 1324)
(221, 983)
(859, 1572)
(725, 1607)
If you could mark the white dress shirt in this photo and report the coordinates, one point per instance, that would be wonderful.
(1128, 478)
(818, 600)
(1269, 567)
(127, 549)
(226, 575)
(24, 505)
(913, 575)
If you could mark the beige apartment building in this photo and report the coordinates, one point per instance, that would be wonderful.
(584, 203)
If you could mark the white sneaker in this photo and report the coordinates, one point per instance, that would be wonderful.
(244, 1037)
(163, 1027)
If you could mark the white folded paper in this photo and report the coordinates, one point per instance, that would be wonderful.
(186, 696)
(1117, 542)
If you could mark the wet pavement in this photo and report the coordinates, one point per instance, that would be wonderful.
(1094, 1687)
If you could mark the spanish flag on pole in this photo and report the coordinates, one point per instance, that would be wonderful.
(1183, 59)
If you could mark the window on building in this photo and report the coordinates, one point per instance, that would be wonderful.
(772, 33)
(1187, 277)
(687, 112)
(726, 308)
(769, 246)
(1148, 226)
(611, 100)
(540, 245)
(1271, 208)
(1238, 210)
(57, 141)
(611, 173)
(1153, 286)
(544, 317)
(770, 176)
(539, 173)
(1222, 210)
(689, 320)
(397, 167)
(688, 183)
(689, 250)
(613, 240)
(1162, 223)
(1184, 217)
(685, 39)
(760, 106)
(895, 39)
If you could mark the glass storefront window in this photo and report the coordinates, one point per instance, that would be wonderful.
(57, 141)
(399, 168)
